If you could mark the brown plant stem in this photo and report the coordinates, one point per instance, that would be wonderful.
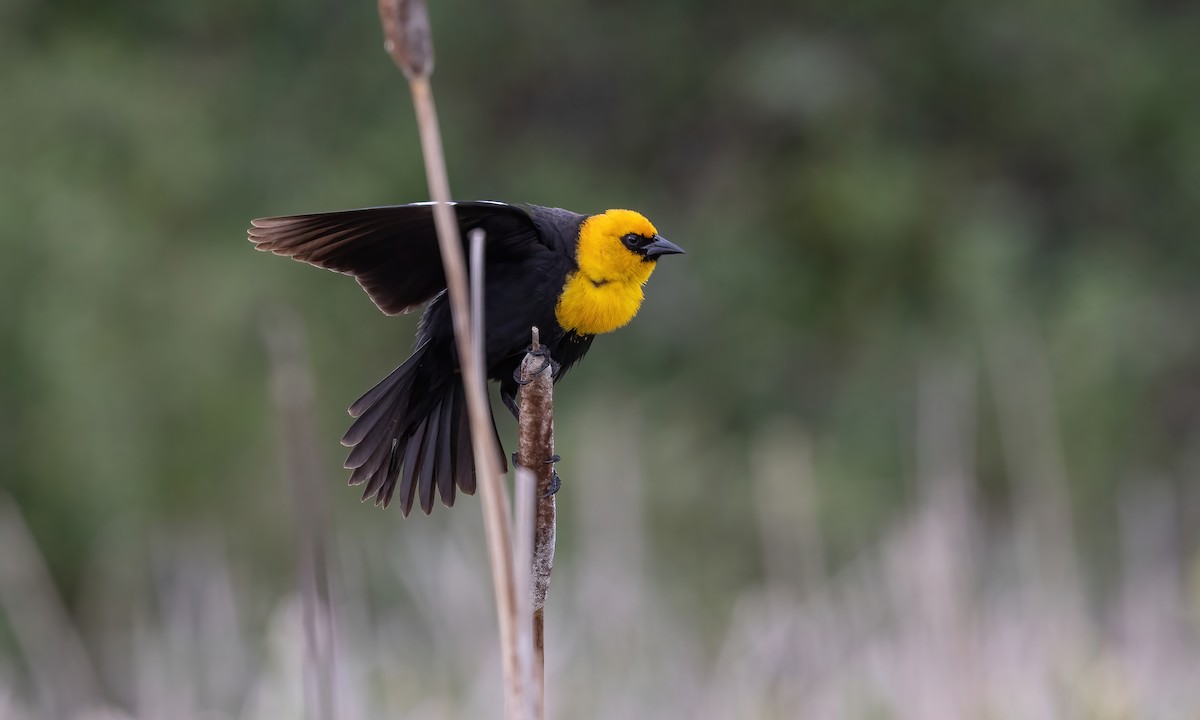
(536, 452)
(409, 41)
(525, 494)
(495, 498)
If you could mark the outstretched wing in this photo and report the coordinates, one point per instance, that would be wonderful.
(392, 250)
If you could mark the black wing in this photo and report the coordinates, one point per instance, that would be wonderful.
(392, 250)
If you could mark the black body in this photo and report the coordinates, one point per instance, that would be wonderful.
(411, 428)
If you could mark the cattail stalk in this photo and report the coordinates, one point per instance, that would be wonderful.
(536, 452)
(409, 42)
(525, 494)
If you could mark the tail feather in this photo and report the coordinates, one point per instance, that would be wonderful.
(412, 464)
(445, 463)
(464, 464)
(386, 405)
(376, 480)
(429, 453)
(372, 396)
(368, 469)
(412, 430)
(366, 442)
(388, 484)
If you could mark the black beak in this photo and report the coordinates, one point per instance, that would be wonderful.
(662, 246)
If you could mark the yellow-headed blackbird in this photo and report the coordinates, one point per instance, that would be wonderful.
(573, 276)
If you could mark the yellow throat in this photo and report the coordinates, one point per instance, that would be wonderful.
(606, 292)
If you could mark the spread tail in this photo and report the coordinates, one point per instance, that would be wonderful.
(412, 430)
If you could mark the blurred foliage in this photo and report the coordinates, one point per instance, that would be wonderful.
(859, 185)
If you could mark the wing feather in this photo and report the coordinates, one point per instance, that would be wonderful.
(391, 250)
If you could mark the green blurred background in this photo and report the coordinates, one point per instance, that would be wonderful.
(925, 235)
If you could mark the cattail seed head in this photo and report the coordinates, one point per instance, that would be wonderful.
(407, 36)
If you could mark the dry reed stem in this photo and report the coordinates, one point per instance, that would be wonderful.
(534, 455)
(788, 508)
(1023, 387)
(495, 498)
(407, 31)
(292, 392)
(942, 536)
(39, 621)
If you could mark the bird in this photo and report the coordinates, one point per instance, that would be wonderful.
(573, 276)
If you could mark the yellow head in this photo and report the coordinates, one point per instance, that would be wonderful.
(616, 253)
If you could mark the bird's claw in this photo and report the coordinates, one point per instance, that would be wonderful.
(555, 480)
(555, 484)
(553, 459)
(547, 362)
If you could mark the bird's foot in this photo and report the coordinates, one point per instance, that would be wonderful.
(555, 484)
(542, 352)
(553, 459)
(555, 480)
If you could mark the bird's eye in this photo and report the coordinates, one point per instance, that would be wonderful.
(631, 240)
